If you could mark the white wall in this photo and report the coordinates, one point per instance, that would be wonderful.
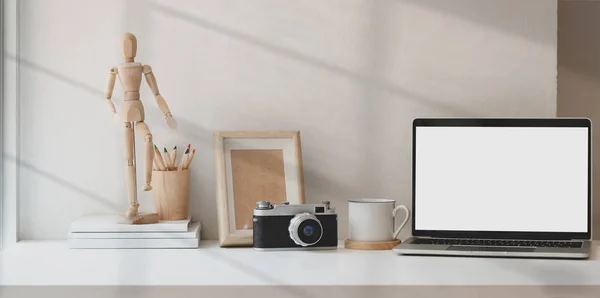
(351, 75)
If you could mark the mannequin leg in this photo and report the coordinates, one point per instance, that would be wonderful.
(130, 178)
(144, 131)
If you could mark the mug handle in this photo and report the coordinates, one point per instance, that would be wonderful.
(394, 212)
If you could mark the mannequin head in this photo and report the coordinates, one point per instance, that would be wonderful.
(129, 45)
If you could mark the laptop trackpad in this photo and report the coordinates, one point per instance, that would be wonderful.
(490, 248)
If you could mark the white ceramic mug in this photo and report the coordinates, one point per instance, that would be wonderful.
(373, 219)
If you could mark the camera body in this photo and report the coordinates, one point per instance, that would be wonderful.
(303, 226)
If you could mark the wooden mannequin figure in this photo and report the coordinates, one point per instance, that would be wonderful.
(130, 76)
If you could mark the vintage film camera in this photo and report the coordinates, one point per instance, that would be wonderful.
(303, 226)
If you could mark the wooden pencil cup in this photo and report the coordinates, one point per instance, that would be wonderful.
(171, 191)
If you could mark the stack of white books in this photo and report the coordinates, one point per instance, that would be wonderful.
(106, 231)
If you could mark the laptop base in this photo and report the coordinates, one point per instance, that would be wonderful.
(407, 248)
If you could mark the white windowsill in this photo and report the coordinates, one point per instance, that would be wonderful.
(53, 263)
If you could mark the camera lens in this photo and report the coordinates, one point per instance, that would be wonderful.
(305, 229)
(308, 230)
(311, 231)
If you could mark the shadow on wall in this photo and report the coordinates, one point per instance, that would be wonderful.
(511, 16)
(374, 88)
(64, 183)
(308, 60)
(60, 181)
(579, 73)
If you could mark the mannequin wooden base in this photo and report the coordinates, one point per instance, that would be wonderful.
(141, 219)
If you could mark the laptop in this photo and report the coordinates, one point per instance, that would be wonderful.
(501, 187)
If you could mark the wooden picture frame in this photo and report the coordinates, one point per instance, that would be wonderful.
(252, 166)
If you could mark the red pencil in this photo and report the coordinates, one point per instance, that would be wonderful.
(190, 159)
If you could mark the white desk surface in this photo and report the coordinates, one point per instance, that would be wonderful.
(53, 263)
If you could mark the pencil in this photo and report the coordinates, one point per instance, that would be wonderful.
(155, 163)
(190, 158)
(159, 159)
(184, 160)
(173, 157)
(167, 158)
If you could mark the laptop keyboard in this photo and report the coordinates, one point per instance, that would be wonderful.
(506, 243)
(491, 248)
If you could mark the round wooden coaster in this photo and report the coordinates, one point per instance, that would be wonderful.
(363, 245)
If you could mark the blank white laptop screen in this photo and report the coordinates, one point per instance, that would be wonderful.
(525, 179)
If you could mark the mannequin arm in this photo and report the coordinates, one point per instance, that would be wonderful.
(162, 104)
(110, 87)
